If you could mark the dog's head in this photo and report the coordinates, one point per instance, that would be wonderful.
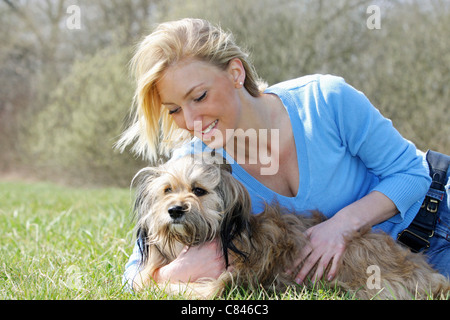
(191, 200)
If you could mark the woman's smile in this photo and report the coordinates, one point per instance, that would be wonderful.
(210, 128)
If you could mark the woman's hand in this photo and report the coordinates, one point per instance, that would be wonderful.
(328, 240)
(194, 263)
(327, 245)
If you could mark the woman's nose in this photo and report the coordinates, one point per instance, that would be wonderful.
(193, 119)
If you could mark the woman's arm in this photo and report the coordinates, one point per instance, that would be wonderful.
(367, 135)
(132, 268)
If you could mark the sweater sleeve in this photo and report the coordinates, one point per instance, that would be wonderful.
(366, 134)
(132, 268)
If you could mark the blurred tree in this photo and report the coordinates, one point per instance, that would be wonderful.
(17, 88)
(40, 50)
(287, 38)
(74, 134)
(405, 71)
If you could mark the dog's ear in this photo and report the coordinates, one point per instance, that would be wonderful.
(226, 166)
(221, 161)
(142, 242)
(213, 158)
(145, 176)
(143, 201)
(143, 197)
(236, 216)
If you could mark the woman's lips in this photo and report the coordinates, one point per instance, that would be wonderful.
(209, 128)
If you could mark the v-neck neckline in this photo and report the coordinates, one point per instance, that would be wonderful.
(302, 161)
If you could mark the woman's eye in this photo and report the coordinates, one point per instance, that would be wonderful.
(174, 110)
(203, 96)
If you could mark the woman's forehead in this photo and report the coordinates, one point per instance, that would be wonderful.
(182, 78)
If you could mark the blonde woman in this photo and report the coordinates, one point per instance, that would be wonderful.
(326, 146)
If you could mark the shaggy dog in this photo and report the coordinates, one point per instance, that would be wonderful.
(187, 202)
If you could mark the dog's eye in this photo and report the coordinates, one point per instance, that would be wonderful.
(168, 190)
(199, 192)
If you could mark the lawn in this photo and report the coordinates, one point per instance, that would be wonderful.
(63, 243)
(72, 243)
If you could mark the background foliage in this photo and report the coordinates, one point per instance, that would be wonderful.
(64, 93)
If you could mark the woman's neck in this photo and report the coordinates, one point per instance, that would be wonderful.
(257, 134)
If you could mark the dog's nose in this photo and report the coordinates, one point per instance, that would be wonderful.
(176, 212)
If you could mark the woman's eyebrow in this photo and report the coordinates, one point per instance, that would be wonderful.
(192, 89)
(186, 95)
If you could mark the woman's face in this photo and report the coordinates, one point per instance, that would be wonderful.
(202, 98)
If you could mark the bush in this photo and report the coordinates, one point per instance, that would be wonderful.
(74, 135)
(407, 72)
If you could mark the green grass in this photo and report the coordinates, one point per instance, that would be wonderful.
(72, 243)
(63, 243)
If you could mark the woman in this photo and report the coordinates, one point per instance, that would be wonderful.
(331, 149)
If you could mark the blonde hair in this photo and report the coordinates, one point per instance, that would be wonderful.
(152, 131)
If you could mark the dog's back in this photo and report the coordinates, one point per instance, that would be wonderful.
(278, 236)
(375, 266)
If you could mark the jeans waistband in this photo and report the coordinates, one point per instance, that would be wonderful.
(442, 230)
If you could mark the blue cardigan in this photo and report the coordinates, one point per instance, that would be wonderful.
(345, 149)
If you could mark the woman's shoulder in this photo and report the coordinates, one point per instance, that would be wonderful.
(321, 81)
(193, 146)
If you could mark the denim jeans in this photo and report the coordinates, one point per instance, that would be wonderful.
(439, 251)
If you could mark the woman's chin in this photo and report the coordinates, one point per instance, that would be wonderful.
(214, 141)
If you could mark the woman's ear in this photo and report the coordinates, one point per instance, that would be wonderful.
(237, 72)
